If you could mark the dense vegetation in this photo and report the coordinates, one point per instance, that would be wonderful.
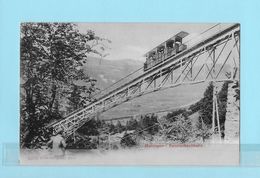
(175, 126)
(147, 124)
(204, 106)
(52, 56)
(222, 104)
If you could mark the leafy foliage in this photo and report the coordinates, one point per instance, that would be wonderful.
(80, 96)
(90, 127)
(237, 90)
(127, 141)
(52, 56)
(149, 124)
(132, 124)
(172, 115)
(119, 127)
(82, 142)
(204, 106)
(222, 104)
(180, 130)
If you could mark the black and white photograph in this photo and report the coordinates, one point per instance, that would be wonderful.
(129, 93)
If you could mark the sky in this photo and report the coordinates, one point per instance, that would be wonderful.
(133, 40)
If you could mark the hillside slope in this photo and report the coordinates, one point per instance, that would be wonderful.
(107, 72)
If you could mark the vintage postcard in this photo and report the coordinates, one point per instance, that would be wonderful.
(129, 93)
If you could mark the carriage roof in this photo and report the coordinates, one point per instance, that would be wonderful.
(181, 35)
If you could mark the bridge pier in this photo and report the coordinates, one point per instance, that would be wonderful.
(215, 112)
(232, 116)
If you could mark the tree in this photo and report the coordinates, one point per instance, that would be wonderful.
(131, 124)
(222, 105)
(206, 105)
(172, 115)
(149, 124)
(119, 128)
(52, 56)
(237, 90)
(76, 98)
(112, 128)
(90, 128)
(180, 130)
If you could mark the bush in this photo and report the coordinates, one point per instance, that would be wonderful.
(149, 124)
(90, 128)
(127, 141)
(172, 115)
(180, 130)
(132, 124)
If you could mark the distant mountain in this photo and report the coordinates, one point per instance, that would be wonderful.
(107, 72)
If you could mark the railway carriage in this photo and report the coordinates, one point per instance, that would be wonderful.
(165, 50)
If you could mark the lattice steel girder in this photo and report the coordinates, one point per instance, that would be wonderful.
(184, 62)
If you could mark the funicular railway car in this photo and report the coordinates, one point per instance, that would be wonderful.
(165, 50)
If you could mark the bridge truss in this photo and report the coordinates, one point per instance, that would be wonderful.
(215, 59)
